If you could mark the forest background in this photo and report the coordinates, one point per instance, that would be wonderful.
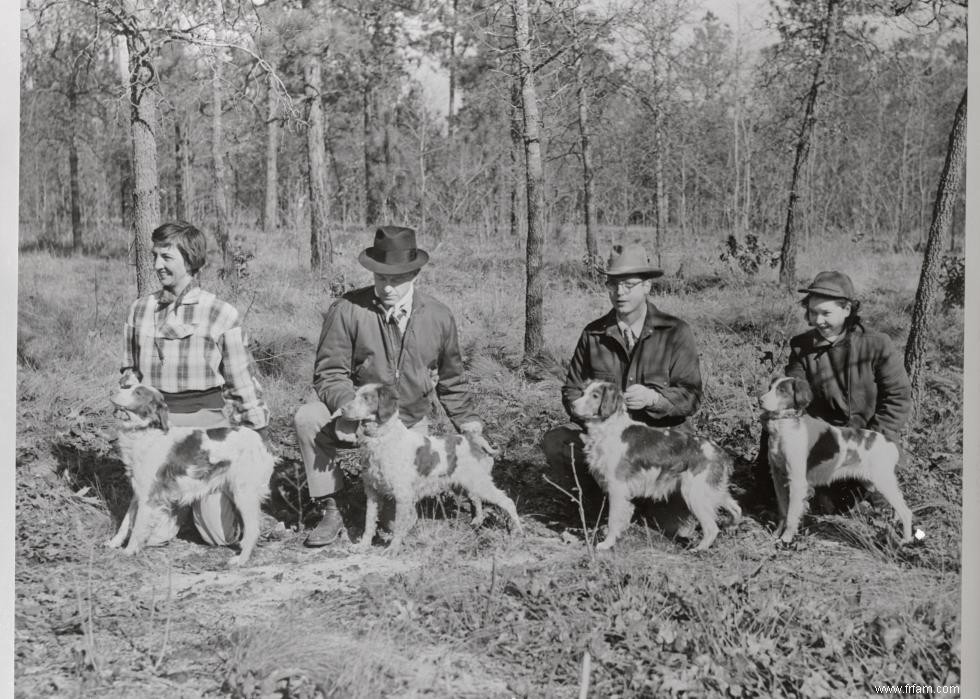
(654, 121)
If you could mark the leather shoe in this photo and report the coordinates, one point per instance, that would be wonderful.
(329, 527)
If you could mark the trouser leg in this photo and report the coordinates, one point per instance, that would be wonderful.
(319, 449)
(215, 516)
(565, 459)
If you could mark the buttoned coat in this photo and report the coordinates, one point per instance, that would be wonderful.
(859, 381)
(358, 346)
(664, 357)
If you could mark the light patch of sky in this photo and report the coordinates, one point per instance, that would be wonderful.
(745, 16)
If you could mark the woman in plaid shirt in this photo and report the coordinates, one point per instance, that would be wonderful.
(189, 345)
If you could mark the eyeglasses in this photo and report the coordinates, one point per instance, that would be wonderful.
(614, 284)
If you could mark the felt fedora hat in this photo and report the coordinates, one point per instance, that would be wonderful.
(394, 251)
(833, 285)
(629, 261)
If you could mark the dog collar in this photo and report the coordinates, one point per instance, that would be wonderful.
(781, 414)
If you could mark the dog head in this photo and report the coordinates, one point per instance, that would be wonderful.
(787, 393)
(373, 401)
(600, 400)
(141, 407)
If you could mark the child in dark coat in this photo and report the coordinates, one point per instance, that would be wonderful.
(857, 376)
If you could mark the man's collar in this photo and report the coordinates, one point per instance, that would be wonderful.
(405, 302)
(654, 319)
(636, 326)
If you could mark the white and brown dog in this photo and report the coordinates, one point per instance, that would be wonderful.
(631, 460)
(805, 451)
(408, 465)
(173, 466)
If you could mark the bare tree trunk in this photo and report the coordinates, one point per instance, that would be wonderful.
(516, 146)
(374, 176)
(534, 299)
(270, 215)
(146, 187)
(450, 115)
(179, 203)
(942, 215)
(316, 160)
(218, 165)
(588, 185)
(184, 180)
(76, 210)
(787, 260)
(658, 137)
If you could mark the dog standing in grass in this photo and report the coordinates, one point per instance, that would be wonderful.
(805, 452)
(170, 467)
(631, 460)
(407, 465)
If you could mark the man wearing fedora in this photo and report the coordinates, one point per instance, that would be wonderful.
(389, 333)
(649, 354)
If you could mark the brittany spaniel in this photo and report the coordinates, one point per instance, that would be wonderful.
(407, 465)
(805, 451)
(631, 460)
(173, 466)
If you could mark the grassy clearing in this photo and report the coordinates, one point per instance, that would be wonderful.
(466, 613)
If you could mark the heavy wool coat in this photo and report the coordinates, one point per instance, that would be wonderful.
(357, 347)
(664, 357)
(859, 381)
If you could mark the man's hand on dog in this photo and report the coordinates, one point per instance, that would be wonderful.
(475, 430)
(638, 396)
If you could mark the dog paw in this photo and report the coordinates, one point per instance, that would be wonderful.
(787, 537)
(112, 544)
(238, 561)
(361, 546)
(605, 545)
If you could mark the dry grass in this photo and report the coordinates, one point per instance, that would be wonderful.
(478, 613)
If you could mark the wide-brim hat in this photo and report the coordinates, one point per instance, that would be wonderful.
(630, 261)
(833, 285)
(394, 251)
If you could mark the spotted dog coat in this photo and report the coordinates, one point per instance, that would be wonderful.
(407, 465)
(631, 460)
(805, 452)
(173, 466)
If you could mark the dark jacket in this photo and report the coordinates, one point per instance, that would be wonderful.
(859, 381)
(664, 357)
(358, 347)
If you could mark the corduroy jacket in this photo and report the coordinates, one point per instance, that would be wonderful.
(859, 381)
(664, 358)
(358, 347)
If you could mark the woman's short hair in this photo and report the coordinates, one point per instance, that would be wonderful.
(189, 240)
(849, 322)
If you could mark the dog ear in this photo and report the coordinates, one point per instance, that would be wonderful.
(152, 407)
(387, 402)
(611, 401)
(802, 393)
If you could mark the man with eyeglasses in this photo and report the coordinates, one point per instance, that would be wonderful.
(389, 333)
(650, 355)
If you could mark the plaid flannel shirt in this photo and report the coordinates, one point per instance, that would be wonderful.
(193, 344)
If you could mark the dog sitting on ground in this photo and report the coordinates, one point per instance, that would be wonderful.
(630, 460)
(805, 452)
(408, 465)
(174, 466)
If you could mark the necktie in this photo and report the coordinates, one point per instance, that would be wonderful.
(629, 338)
